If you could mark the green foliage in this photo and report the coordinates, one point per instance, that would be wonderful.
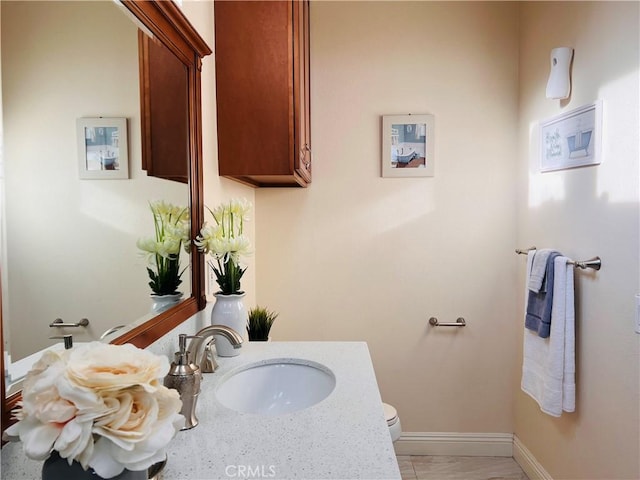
(259, 323)
(167, 279)
(228, 276)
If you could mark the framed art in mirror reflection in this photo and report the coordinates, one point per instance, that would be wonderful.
(102, 148)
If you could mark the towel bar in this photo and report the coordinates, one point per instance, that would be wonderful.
(595, 262)
(460, 322)
(59, 323)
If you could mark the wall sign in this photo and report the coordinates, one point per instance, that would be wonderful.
(572, 139)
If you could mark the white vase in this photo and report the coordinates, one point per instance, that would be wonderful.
(229, 310)
(163, 302)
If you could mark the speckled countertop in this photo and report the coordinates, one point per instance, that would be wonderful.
(343, 437)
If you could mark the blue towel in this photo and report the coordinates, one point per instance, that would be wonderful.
(539, 304)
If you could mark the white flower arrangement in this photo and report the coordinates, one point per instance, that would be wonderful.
(98, 404)
(172, 231)
(226, 243)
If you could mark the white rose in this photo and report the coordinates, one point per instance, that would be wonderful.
(136, 430)
(100, 366)
(54, 414)
(104, 391)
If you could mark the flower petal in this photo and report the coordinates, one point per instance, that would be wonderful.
(38, 440)
(102, 460)
(74, 439)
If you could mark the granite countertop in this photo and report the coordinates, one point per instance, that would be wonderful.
(345, 436)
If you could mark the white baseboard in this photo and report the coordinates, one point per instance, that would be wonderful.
(466, 444)
(528, 463)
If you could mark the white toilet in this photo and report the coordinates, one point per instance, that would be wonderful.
(393, 421)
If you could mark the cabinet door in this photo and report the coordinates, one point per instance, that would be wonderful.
(262, 75)
(301, 82)
(164, 111)
(254, 88)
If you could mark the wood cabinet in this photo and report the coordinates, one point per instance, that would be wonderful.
(262, 90)
(164, 95)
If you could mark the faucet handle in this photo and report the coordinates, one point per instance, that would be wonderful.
(209, 364)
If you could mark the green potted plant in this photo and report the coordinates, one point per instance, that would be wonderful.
(259, 324)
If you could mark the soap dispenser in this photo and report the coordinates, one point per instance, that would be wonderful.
(185, 377)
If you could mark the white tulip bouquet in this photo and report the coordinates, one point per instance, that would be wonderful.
(98, 404)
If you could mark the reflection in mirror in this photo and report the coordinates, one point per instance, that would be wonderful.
(165, 115)
(69, 244)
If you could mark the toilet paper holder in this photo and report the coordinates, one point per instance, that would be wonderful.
(460, 322)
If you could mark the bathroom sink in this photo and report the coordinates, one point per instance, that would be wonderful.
(276, 387)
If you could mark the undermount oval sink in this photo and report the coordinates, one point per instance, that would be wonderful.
(276, 387)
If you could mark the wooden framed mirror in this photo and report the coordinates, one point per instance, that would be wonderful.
(168, 26)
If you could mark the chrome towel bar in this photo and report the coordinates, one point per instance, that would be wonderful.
(460, 322)
(59, 323)
(594, 263)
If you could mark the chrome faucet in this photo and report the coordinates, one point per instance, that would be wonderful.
(198, 354)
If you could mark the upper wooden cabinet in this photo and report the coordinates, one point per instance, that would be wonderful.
(262, 89)
(164, 95)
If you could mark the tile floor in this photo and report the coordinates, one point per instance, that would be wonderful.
(459, 468)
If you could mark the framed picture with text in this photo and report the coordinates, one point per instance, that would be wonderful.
(572, 139)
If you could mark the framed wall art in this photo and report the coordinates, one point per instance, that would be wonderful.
(102, 148)
(572, 139)
(407, 146)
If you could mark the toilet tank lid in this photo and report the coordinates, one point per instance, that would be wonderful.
(390, 413)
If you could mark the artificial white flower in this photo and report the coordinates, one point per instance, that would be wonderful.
(100, 405)
(226, 243)
(172, 225)
(137, 429)
(54, 414)
(101, 366)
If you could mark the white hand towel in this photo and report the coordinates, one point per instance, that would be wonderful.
(548, 369)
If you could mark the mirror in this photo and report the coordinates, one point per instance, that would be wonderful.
(90, 224)
(90, 70)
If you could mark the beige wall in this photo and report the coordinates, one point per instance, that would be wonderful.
(586, 212)
(360, 257)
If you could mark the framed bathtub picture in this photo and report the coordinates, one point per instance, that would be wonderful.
(102, 148)
(572, 139)
(407, 146)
